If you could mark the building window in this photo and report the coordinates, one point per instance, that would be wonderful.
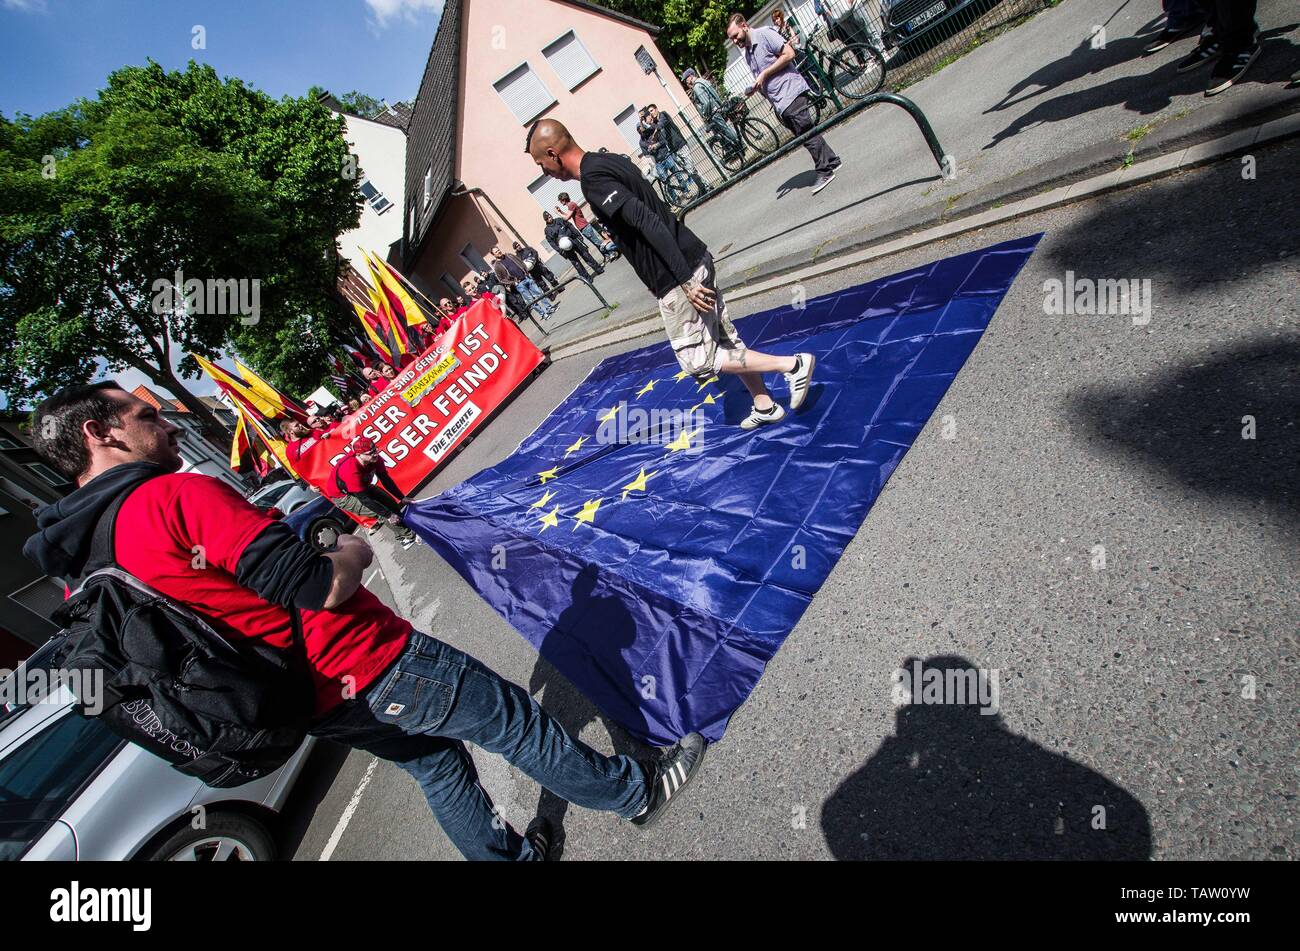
(414, 223)
(627, 121)
(428, 186)
(524, 92)
(452, 285)
(376, 198)
(46, 473)
(546, 192)
(7, 443)
(570, 60)
(476, 262)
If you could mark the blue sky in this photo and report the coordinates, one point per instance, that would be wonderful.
(55, 51)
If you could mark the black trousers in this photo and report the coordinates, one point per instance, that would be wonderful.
(798, 118)
(1232, 22)
(580, 250)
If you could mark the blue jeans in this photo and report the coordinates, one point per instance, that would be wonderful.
(535, 295)
(668, 166)
(606, 248)
(432, 700)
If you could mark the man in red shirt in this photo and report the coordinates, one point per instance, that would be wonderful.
(380, 685)
(297, 438)
(352, 488)
(377, 382)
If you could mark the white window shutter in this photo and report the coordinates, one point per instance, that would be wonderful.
(570, 60)
(626, 122)
(524, 92)
(546, 192)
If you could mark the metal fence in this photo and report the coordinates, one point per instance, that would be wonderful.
(856, 48)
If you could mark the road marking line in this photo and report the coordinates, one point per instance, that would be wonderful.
(344, 819)
(371, 578)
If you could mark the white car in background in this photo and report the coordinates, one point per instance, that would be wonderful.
(71, 789)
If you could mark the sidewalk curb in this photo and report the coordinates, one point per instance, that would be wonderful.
(908, 233)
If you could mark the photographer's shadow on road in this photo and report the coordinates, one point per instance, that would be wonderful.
(954, 783)
(561, 699)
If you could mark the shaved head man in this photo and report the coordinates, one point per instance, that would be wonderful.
(675, 267)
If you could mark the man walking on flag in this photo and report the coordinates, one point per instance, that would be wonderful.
(674, 265)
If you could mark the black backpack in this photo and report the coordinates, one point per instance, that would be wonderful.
(223, 710)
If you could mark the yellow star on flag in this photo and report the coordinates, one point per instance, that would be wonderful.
(683, 441)
(606, 417)
(681, 376)
(647, 388)
(638, 484)
(551, 519)
(707, 401)
(547, 495)
(548, 474)
(576, 446)
(712, 379)
(588, 513)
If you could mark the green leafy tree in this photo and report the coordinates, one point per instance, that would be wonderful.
(694, 32)
(103, 203)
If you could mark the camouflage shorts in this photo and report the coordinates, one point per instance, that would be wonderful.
(700, 341)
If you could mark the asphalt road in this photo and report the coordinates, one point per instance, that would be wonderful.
(1036, 102)
(1124, 686)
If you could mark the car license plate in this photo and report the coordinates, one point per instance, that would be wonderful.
(925, 17)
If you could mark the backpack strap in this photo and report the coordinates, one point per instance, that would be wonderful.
(103, 541)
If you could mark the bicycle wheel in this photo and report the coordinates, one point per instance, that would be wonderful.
(758, 135)
(674, 195)
(858, 70)
(731, 157)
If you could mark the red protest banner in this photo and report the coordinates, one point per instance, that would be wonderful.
(434, 402)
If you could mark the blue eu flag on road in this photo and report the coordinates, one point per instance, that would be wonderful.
(657, 554)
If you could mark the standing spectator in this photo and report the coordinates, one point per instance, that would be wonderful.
(380, 685)
(376, 380)
(670, 134)
(352, 488)
(572, 211)
(710, 105)
(770, 59)
(568, 244)
(510, 271)
(1231, 42)
(542, 274)
(656, 149)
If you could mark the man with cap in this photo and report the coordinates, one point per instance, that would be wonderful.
(353, 489)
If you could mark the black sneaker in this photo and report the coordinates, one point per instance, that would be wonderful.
(1206, 51)
(1229, 69)
(1168, 37)
(670, 776)
(541, 836)
(822, 181)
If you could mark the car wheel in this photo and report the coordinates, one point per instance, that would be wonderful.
(324, 533)
(226, 837)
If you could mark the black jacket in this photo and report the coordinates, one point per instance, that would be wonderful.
(561, 228)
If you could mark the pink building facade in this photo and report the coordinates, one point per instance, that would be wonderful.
(516, 61)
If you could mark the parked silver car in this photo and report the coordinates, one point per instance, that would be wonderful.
(71, 789)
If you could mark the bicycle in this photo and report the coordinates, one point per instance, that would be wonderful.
(855, 72)
(746, 132)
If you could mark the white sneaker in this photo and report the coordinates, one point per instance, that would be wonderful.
(773, 414)
(800, 378)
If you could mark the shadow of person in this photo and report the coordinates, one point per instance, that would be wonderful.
(1223, 422)
(1084, 60)
(804, 179)
(588, 613)
(954, 783)
(1149, 93)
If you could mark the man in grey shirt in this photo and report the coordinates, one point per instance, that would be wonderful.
(771, 59)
